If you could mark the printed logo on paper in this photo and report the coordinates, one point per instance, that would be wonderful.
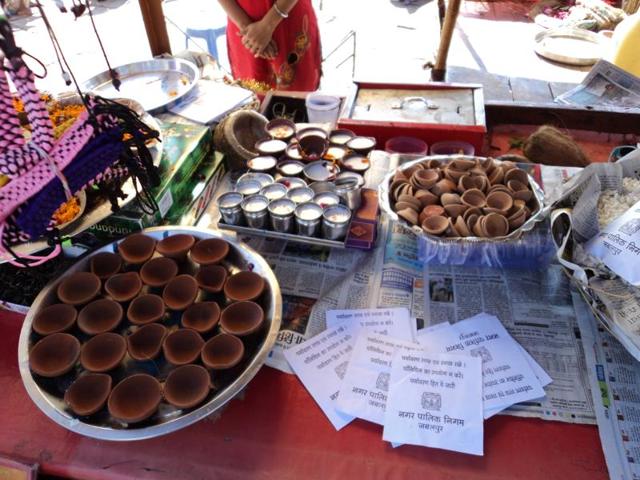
(431, 401)
(382, 382)
(631, 227)
(341, 369)
(481, 352)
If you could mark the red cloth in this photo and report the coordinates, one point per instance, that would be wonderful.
(297, 65)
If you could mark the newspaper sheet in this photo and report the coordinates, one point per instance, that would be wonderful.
(614, 376)
(605, 85)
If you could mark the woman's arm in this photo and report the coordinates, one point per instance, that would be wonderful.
(257, 35)
(236, 13)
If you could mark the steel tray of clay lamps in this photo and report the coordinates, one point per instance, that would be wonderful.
(54, 354)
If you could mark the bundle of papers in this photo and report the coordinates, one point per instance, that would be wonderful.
(432, 388)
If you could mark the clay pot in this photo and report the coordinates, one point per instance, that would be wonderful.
(517, 217)
(244, 286)
(409, 214)
(145, 309)
(454, 211)
(481, 183)
(516, 174)
(454, 174)
(222, 352)
(145, 343)
(466, 182)
(520, 190)
(135, 398)
(201, 317)
(495, 225)
(500, 188)
(242, 318)
(182, 346)
(433, 210)
(435, 225)
(56, 318)
(209, 251)
(123, 286)
(180, 292)
(158, 271)
(450, 199)
(496, 176)
(106, 264)
(103, 352)
(187, 386)
(88, 393)
(500, 201)
(212, 278)
(406, 205)
(54, 355)
(474, 198)
(426, 179)
(471, 211)
(100, 316)
(478, 229)
(462, 164)
(411, 200)
(431, 164)
(137, 248)
(461, 227)
(176, 246)
(426, 198)
(443, 186)
(78, 288)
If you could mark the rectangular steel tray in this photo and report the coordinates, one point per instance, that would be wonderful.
(322, 242)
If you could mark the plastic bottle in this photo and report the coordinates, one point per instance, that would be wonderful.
(625, 48)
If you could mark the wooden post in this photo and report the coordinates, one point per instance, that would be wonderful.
(439, 71)
(155, 26)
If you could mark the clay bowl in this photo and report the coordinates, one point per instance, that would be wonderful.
(435, 225)
(182, 346)
(495, 225)
(79, 288)
(409, 215)
(180, 292)
(222, 352)
(176, 246)
(516, 174)
(135, 398)
(145, 343)
(426, 198)
(474, 198)
(212, 278)
(103, 352)
(443, 186)
(54, 355)
(137, 248)
(187, 386)
(56, 318)
(88, 393)
(146, 309)
(100, 316)
(500, 201)
(209, 251)
(123, 286)
(106, 264)
(312, 147)
(201, 317)
(242, 318)
(244, 286)
(158, 271)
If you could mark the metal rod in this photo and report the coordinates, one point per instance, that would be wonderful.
(155, 25)
(440, 69)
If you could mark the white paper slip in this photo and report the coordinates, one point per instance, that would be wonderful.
(364, 390)
(618, 245)
(506, 374)
(394, 322)
(211, 100)
(321, 363)
(435, 400)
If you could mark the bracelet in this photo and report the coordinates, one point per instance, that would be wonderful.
(280, 13)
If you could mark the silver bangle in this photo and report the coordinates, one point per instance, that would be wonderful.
(280, 13)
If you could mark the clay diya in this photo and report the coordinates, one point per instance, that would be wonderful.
(135, 398)
(242, 318)
(281, 129)
(435, 225)
(146, 309)
(158, 271)
(100, 316)
(54, 355)
(244, 286)
(145, 343)
(182, 346)
(88, 393)
(187, 386)
(201, 317)
(79, 288)
(180, 292)
(106, 264)
(176, 246)
(212, 278)
(56, 318)
(312, 147)
(103, 352)
(137, 248)
(123, 286)
(222, 352)
(209, 251)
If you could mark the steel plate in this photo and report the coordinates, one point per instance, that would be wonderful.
(573, 46)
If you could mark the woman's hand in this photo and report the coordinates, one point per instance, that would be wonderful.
(270, 51)
(257, 35)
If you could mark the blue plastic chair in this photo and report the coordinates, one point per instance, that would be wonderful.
(210, 35)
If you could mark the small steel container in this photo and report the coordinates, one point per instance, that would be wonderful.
(271, 146)
(308, 218)
(320, 187)
(290, 168)
(281, 214)
(292, 182)
(300, 194)
(255, 211)
(350, 174)
(230, 208)
(326, 199)
(262, 164)
(335, 222)
(263, 178)
(248, 187)
(349, 192)
(274, 191)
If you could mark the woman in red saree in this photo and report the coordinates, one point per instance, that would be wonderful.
(275, 42)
